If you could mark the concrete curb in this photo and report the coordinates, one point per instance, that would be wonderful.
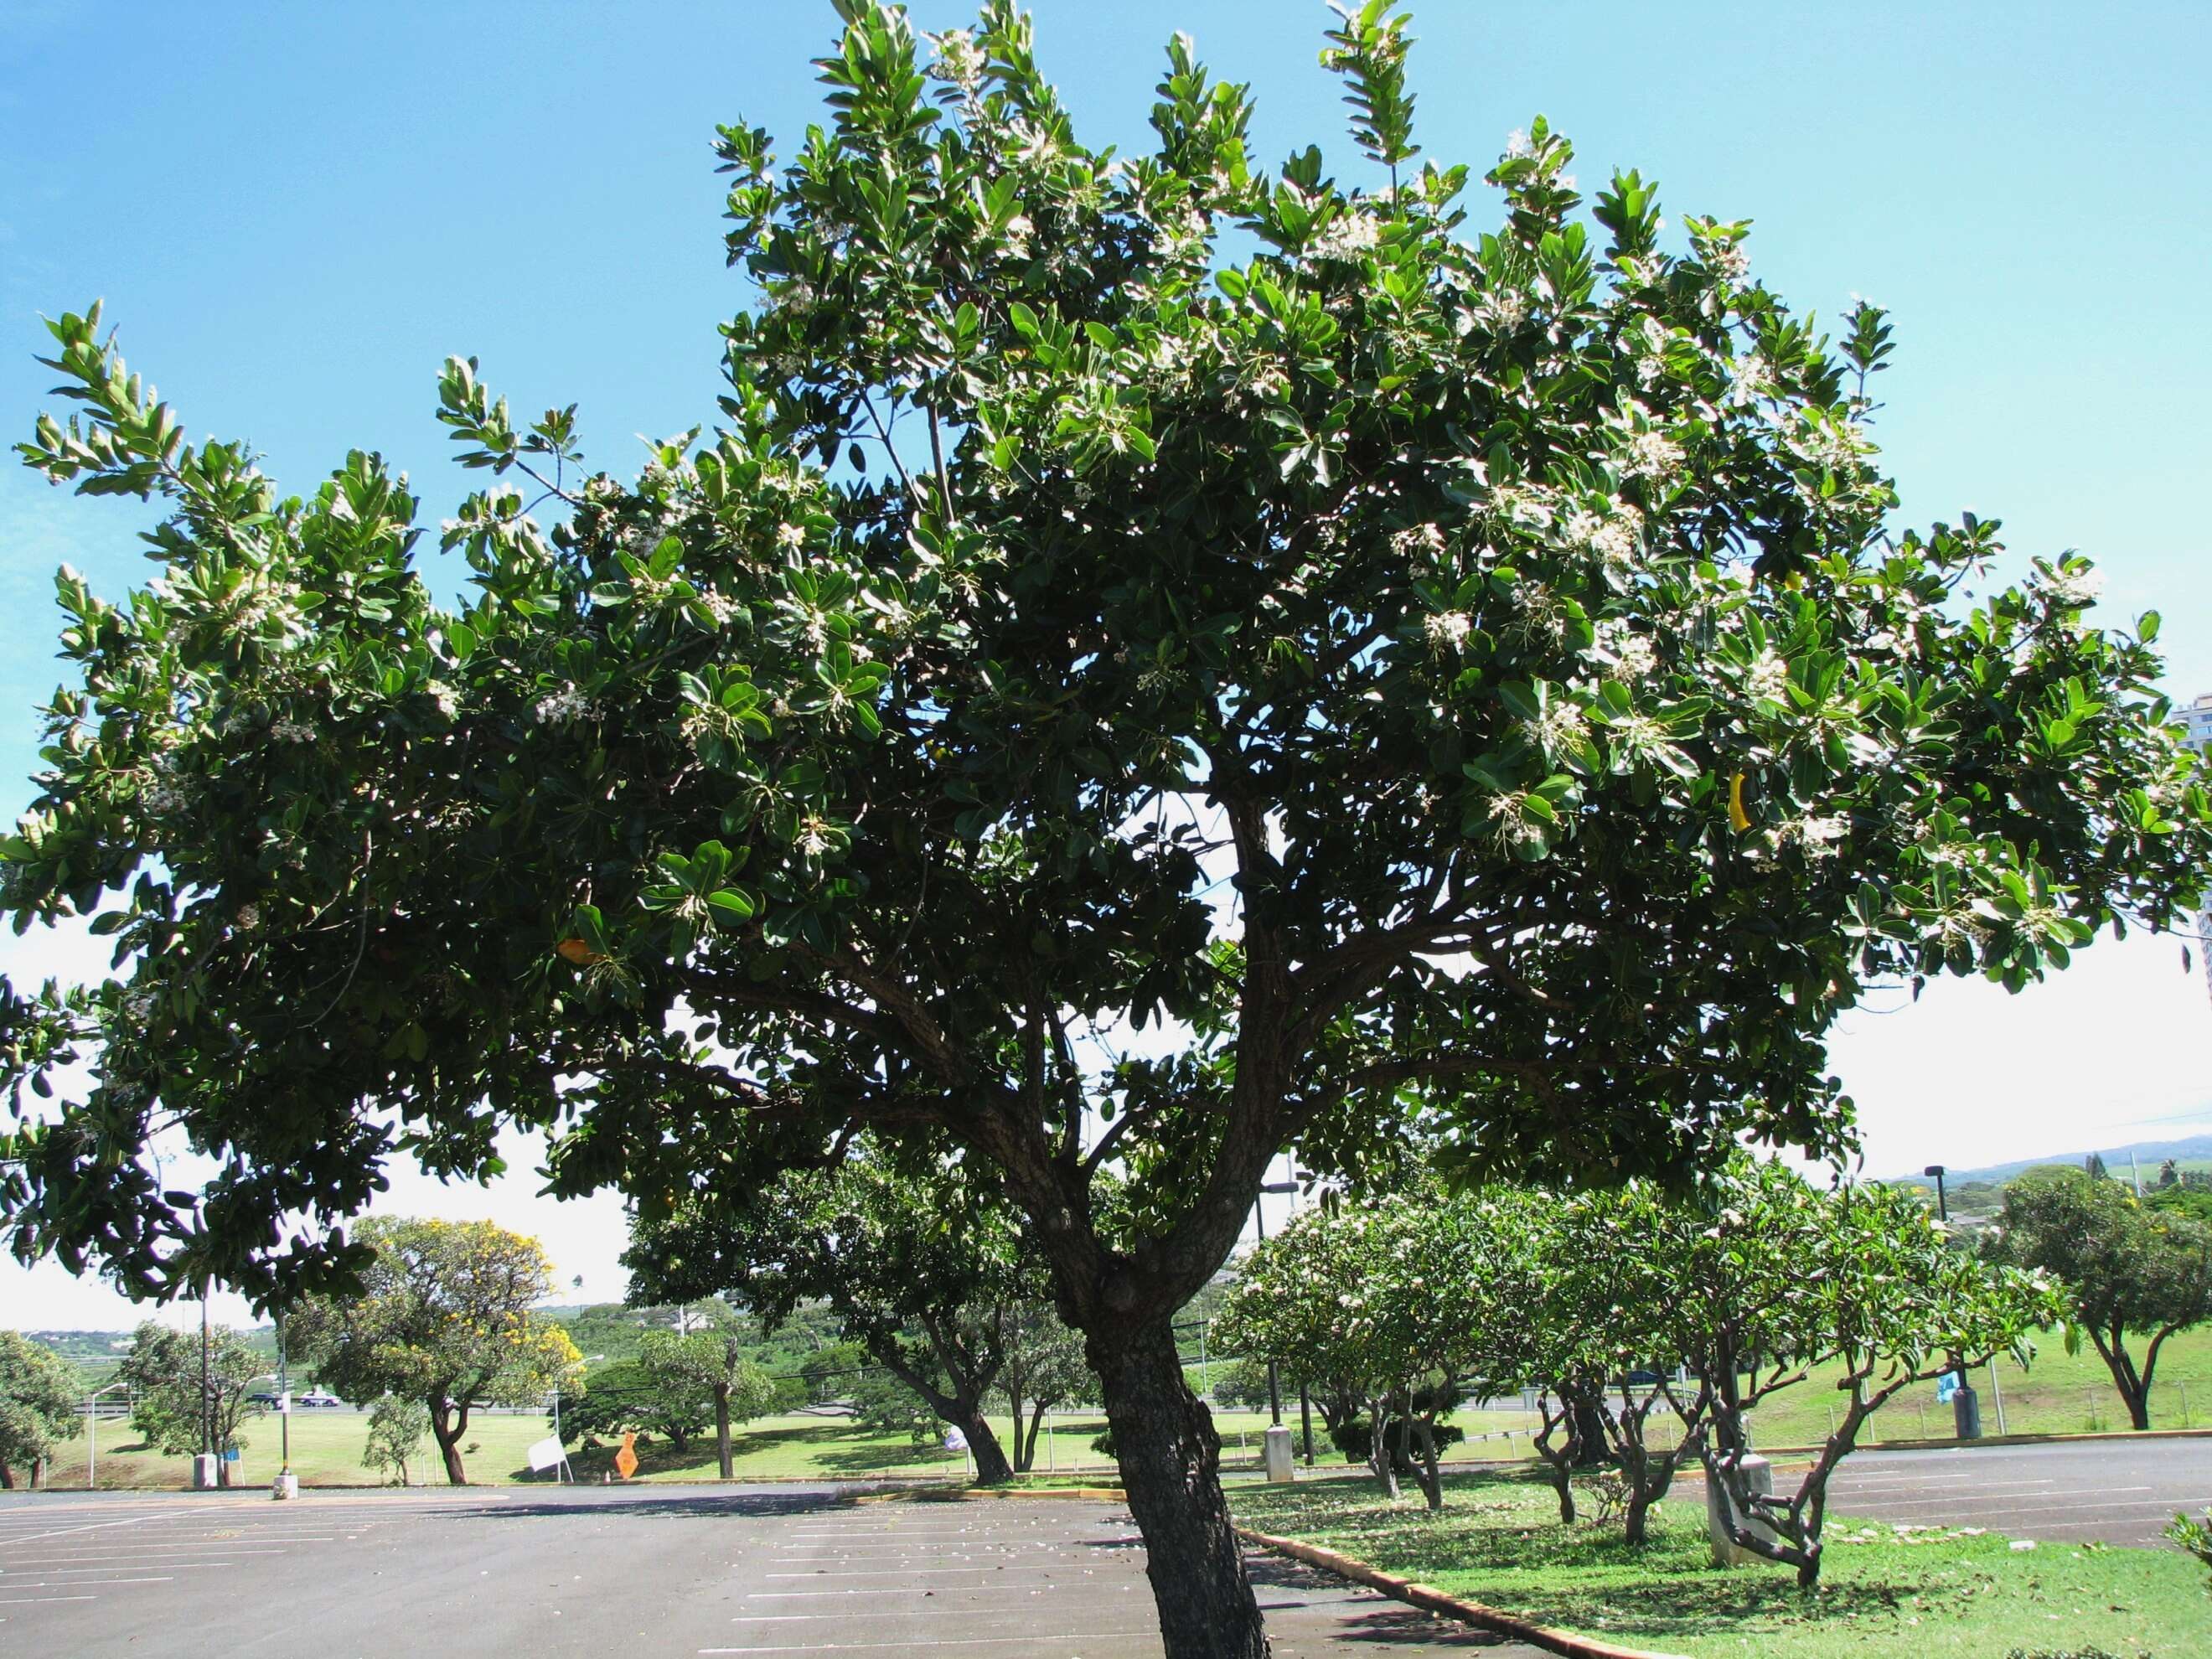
(1429, 1599)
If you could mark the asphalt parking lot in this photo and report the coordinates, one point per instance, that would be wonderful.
(2115, 1492)
(717, 1570)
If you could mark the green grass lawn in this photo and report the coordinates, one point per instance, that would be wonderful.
(1499, 1541)
(326, 1448)
(2059, 1393)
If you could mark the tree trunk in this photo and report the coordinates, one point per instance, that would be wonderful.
(722, 1431)
(1426, 1474)
(221, 1473)
(2139, 1408)
(1029, 1440)
(992, 1469)
(6, 1479)
(1590, 1440)
(447, 1428)
(1170, 1461)
(39, 1478)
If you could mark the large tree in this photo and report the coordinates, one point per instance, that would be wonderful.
(710, 1367)
(440, 1314)
(40, 1396)
(925, 1271)
(1378, 658)
(2128, 1268)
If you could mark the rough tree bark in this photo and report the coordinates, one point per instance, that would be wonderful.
(1170, 1458)
(448, 1423)
(722, 1431)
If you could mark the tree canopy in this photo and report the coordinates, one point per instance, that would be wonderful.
(170, 1408)
(39, 1397)
(928, 1272)
(1402, 664)
(2128, 1268)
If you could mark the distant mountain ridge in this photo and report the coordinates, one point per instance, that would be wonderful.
(2148, 1155)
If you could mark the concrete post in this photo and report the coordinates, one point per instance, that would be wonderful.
(1275, 1454)
(1759, 1477)
(284, 1485)
(207, 1471)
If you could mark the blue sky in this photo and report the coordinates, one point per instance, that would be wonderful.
(295, 212)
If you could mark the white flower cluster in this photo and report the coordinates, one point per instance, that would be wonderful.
(1561, 726)
(1517, 147)
(165, 790)
(1510, 827)
(1347, 236)
(1836, 445)
(249, 918)
(448, 701)
(138, 1007)
(1503, 310)
(1730, 262)
(1634, 657)
(1448, 630)
(1768, 677)
(1750, 378)
(289, 730)
(2072, 589)
(960, 61)
(561, 707)
(1817, 836)
(1418, 540)
(1614, 535)
(814, 836)
(1019, 229)
(1651, 455)
(791, 537)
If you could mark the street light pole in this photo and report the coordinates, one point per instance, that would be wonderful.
(1259, 1217)
(1966, 1404)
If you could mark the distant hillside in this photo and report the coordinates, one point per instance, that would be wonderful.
(2148, 1155)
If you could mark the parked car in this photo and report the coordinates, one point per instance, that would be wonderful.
(315, 1399)
(265, 1398)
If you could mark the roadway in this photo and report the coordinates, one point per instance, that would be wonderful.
(639, 1570)
(2114, 1491)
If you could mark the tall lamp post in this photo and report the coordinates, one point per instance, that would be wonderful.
(1259, 1217)
(1966, 1404)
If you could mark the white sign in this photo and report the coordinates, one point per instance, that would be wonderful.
(284, 1403)
(955, 1440)
(546, 1453)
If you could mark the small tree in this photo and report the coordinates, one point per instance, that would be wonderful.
(707, 1366)
(2128, 1268)
(167, 1406)
(442, 1315)
(39, 1396)
(397, 1425)
(1043, 1367)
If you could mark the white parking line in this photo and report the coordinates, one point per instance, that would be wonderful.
(943, 1641)
(87, 1583)
(63, 1532)
(25, 1600)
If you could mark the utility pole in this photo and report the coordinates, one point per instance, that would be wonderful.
(1966, 1404)
(1260, 1216)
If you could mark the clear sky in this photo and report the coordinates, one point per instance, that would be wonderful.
(296, 212)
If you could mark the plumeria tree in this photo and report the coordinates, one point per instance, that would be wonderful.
(1788, 1276)
(1382, 656)
(1396, 1297)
